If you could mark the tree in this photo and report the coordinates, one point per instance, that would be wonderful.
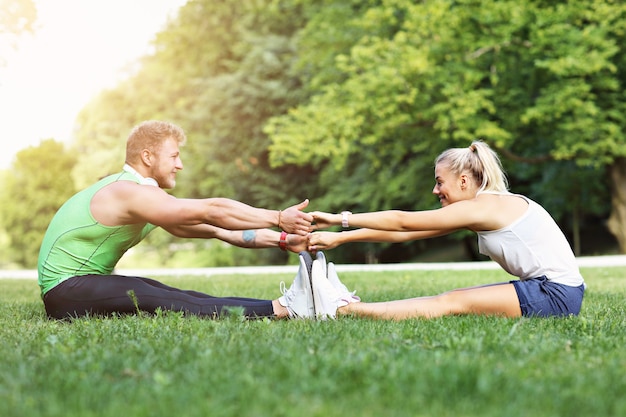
(220, 70)
(540, 81)
(38, 184)
(348, 102)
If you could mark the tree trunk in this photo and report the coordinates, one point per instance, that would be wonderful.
(617, 220)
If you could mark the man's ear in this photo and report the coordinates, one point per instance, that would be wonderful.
(146, 157)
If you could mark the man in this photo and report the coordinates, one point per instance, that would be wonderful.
(94, 228)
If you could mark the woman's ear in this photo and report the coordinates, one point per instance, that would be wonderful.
(464, 181)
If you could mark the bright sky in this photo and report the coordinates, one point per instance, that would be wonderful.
(79, 48)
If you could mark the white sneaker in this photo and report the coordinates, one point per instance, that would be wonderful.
(322, 261)
(325, 297)
(298, 299)
(345, 295)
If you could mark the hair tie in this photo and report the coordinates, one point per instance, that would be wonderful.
(472, 147)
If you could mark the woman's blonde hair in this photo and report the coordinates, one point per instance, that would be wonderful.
(150, 135)
(478, 160)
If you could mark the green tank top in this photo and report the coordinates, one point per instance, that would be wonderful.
(76, 244)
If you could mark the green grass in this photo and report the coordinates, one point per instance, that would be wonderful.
(169, 365)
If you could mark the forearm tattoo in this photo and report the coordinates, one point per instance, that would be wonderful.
(249, 237)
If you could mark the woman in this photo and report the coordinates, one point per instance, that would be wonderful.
(513, 230)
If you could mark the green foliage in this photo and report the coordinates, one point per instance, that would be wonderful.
(462, 70)
(454, 366)
(228, 67)
(540, 81)
(104, 125)
(219, 70)
(39, 183)
(348, 102)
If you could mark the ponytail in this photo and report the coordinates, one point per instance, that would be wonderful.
(478, 160)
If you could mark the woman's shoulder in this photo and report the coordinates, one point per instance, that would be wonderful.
(501, 209)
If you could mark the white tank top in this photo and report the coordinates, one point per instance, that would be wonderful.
(532, 246)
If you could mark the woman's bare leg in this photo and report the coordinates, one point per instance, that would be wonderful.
(495, 299)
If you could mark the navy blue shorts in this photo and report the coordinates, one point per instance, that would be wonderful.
(541, 297)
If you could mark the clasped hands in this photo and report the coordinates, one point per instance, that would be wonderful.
(300, 226)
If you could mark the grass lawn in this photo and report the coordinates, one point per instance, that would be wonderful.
(169, 365)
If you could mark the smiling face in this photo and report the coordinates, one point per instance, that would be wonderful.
(450, 187)
(152, 149)
(166, 163)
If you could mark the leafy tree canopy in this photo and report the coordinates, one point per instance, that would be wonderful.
(38, 185)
